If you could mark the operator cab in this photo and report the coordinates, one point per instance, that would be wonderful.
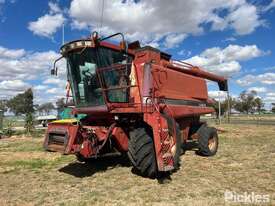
(98, 73)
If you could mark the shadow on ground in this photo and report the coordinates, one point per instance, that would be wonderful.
(87, 169)
(190, 146)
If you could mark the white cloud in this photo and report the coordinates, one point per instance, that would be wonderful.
(217, 95)
(150, 20)
(225, 61)
(53, 80)
(246, 80)
(269, 99)
(242, 53)
(173, 40)
(271, 94)
(258, 89)
(184, 52)
(244, 19)
(27, 67)
(40, 87)
(13, 85)
(270, 6)
(266, 78)
(48, 24)
(52, 91)
(54, 8)
(230, 39)
(9, 88)
(20, 68)
(11, 53)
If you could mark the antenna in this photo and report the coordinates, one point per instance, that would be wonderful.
(101, 17)
(63, 33)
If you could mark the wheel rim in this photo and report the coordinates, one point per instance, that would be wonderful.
(212, 143)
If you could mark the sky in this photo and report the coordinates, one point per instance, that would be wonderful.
(231, 38)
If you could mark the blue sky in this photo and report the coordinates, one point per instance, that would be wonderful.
(231, 38)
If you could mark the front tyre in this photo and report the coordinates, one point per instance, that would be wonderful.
(141, 151)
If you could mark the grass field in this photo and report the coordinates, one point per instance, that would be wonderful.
(245, 162)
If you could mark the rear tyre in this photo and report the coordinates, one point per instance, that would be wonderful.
(208, 141)
(141, 151)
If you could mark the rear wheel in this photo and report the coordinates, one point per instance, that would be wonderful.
(208, 141)
(142, 152)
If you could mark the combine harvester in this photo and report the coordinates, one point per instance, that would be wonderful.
(136, 100)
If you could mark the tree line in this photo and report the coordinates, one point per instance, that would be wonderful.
(247, 102)
(22, 104)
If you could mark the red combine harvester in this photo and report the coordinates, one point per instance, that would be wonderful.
(137, 101)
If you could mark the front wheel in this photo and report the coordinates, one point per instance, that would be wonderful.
(141, 151)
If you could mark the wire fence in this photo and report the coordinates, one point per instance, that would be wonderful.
(268, 119)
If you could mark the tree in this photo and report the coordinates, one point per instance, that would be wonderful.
(60, 103)
(29, 122)
(246, 102)
(223, 107)
(273, 107)
(258, 102)
(45, 108)
(3, 105)
(22, 103)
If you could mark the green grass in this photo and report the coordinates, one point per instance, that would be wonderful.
(244, 163)
(35, 163)
(28, 146)
(25, 164)
(14, 121)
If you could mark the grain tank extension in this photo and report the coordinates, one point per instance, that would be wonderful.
(136, 100)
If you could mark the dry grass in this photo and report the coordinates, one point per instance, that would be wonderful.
(245, 163)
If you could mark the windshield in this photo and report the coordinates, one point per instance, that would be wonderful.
(83, 76)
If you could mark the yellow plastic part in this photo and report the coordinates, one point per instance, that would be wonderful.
(65, 121)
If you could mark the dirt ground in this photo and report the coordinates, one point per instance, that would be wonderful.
(245, 163)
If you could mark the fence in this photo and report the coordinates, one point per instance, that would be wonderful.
(268, 119)
(1, 119)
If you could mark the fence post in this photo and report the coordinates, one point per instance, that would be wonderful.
(219, 107)
(1, 119)
(228, 107)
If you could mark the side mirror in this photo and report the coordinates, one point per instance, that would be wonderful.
(53, 72)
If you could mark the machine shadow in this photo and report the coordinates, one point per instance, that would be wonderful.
(92, 166)
(87, 169)
(190, 146)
